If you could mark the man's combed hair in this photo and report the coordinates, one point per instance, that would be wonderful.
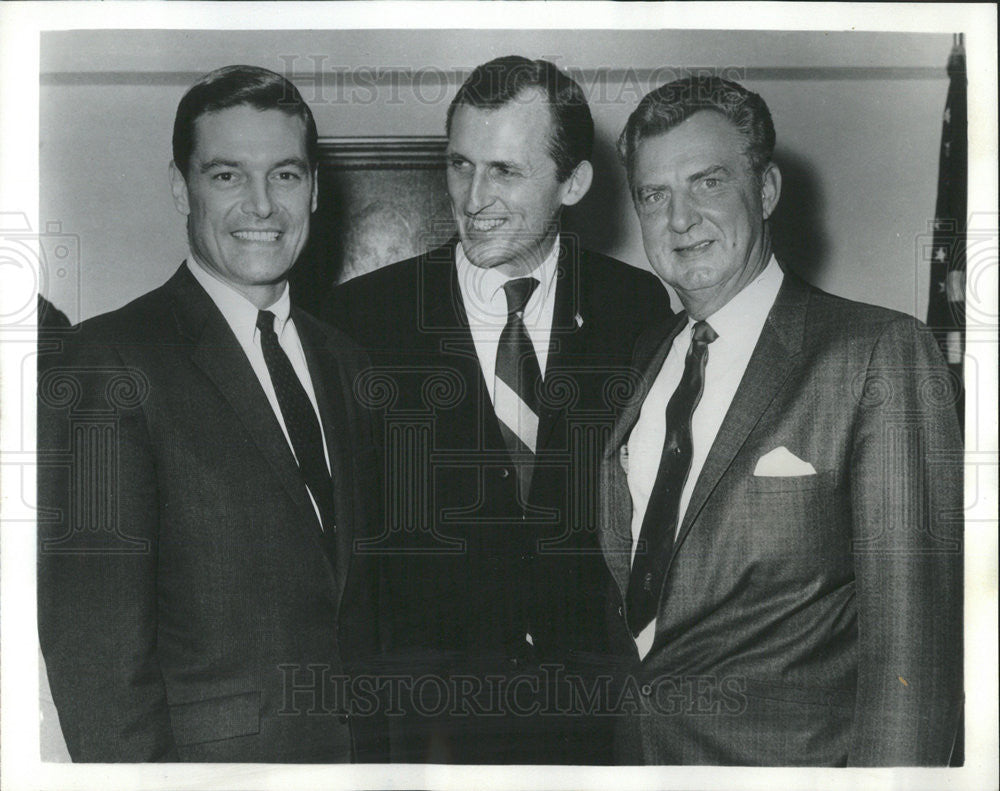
(233, 86)
(671, 104)
(502, 80)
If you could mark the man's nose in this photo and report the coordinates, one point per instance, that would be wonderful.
(682, 213)
(257, 200)
(480, 193)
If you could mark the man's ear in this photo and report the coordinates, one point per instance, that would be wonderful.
(178, 187)
(315, 190)
(576, 186)
(770, 189)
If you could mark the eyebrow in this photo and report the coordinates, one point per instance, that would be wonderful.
(218, 162)
(708, 172)
(505, 163)
(297, 162)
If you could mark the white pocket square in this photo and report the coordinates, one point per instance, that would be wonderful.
(781, 462)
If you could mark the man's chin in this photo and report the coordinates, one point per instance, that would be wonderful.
(488, 254)
(269, 267)
(493, 255)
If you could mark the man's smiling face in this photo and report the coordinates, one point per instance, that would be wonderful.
(502, 182)
(702, 209)
(248, 195)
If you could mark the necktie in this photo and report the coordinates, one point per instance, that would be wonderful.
(660, 520)
(517, 377)
(300, 420)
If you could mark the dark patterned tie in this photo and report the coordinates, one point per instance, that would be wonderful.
(300, 420)
(515, 393)
(660, 521)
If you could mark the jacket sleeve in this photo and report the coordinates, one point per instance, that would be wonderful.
(906, 498)
(97, 558)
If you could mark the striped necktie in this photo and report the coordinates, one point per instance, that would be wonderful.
(515, 394)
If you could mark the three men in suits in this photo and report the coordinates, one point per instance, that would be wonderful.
(205, 472)
(781, 501)
(500, 359)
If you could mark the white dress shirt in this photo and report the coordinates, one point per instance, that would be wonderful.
(486, 307)
(241, 315)
(738, 323)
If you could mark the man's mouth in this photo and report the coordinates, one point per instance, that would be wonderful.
(257, 236)
(485, 224)
(694, 249)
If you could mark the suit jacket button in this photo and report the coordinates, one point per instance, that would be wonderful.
(505, 473)
(343, 718)
(646, 690)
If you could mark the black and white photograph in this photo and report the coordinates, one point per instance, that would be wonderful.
(502, 395)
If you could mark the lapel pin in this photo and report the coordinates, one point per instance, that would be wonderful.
(579, 320)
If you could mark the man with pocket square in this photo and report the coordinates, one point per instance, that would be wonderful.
(781, 501)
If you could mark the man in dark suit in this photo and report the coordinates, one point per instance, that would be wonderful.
(781, 501)
(499, 360)
(205, 472)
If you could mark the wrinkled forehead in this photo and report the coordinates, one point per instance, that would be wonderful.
(706, 138)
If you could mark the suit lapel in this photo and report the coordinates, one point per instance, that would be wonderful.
(220, 357)
(616, 514)
(774, 358)
(443, 312)
(630, 413)
(328, 383)
(567, 336)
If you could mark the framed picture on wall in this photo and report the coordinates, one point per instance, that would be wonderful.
(381, 200)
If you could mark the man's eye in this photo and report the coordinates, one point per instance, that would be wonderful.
(224, 176)
(651, 197)
(458, 164)
(711, 183)
(289, 175)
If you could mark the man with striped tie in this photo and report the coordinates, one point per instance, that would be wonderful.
(501, 357)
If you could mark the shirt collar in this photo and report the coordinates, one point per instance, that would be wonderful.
(239, 312)
(482, 289)
(749, 308)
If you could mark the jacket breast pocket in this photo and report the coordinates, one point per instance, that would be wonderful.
(777, 484)
(216, 718)
(794, 525)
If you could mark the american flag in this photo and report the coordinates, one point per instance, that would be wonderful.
(946, 309)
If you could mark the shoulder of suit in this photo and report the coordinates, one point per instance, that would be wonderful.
(399, 273)
(623, 290)
(851, 316)
(601, 265)
(146, 317)
(318, 331)
(375, 308)
(653, 335)
(386, 285)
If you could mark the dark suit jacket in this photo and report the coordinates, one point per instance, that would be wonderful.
(811, 620)
(470, 570)
(188, 608)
